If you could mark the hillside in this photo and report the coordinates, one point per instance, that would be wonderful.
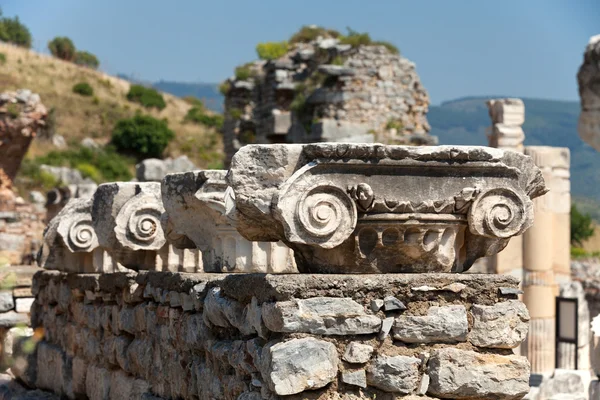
(78, 117)
(547, 122)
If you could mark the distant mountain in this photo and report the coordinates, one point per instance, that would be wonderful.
(209, 92)
(547, 123)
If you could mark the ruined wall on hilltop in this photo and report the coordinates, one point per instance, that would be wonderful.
(325, 91)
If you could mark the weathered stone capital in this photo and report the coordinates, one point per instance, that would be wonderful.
(70, 231)
(127, 216)
(376, 208)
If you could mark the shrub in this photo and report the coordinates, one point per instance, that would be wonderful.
(86, 59)
(89, 171)
(394, 124)
(198, 115)
(391, 48)
(83, 88)
(243, 72)
(2, 58)
(307, 34)
(235, 113)
(271, 50)
(13, 110)
(224, 87)
(142, 136)
(356, 39)
(62, 47)
(148, 97)
(194, 101)
(582, 227)
(101, 165)
(13, 31)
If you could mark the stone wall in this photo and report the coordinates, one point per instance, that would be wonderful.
(215, 336)
(324, 271)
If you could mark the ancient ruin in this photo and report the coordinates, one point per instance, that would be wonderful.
(121, 322)
(589, 92)
(324, 90)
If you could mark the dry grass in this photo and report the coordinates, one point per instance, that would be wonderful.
(78, 117)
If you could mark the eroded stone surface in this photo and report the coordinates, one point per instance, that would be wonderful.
(503, 325)
(589, 92)
(300, 364)
(339, 206)
(464, 374)
(320, 315)
(398, 374)
(441, 324)
(357, 353)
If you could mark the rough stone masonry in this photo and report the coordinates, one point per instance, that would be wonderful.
(379, 308)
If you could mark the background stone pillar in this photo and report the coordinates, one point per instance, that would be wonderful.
(539, 283)
(506, 133)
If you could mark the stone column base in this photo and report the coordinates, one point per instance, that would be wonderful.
(217, 336)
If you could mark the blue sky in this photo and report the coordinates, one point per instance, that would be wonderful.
(525, 48)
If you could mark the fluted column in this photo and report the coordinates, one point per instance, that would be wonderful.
(539, 283)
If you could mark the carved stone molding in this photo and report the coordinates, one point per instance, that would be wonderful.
(196, 216)
(374, 208)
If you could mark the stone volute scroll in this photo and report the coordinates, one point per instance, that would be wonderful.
(127, 220)
(70, 239)
(196, 217)
(371, 208)
(589, 93)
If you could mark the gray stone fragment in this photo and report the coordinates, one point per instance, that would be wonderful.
(6, 301)
(336, 70)
(454, 287)
(398, 374)
(503, 325)
(441, 324)
(11, 318)
(505, 291)
(299, 364)
(320, 315)
(464, 374)
(386, 327)
(376, 304)
(355, 378)
(357, 353)
(390, 303)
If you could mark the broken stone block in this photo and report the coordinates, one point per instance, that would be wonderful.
(299, 364)
(320, 315)
(398, 374)
(465, 374)
(355, 378)
(196, 214)
(357, 353)
(390, 303)
(587, 78)
(441, 324)
(6, 301)
(503, 325)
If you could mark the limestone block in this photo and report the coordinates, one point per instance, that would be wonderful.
(441, 324)
(464, 374)
(6, 301)
(398, 374)
(23, 305)
(357, 353)
(320, 315)
(503, 325)
(299, 364)
(567, 385)
(97, 383)
(339, 206)
(195, 204)
(51, 368)
(355, 378)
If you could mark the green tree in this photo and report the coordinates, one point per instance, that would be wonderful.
(582, 227)
(62, 47)
(83, 89)
(13, 31)
(86, 59)
(142, 136)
